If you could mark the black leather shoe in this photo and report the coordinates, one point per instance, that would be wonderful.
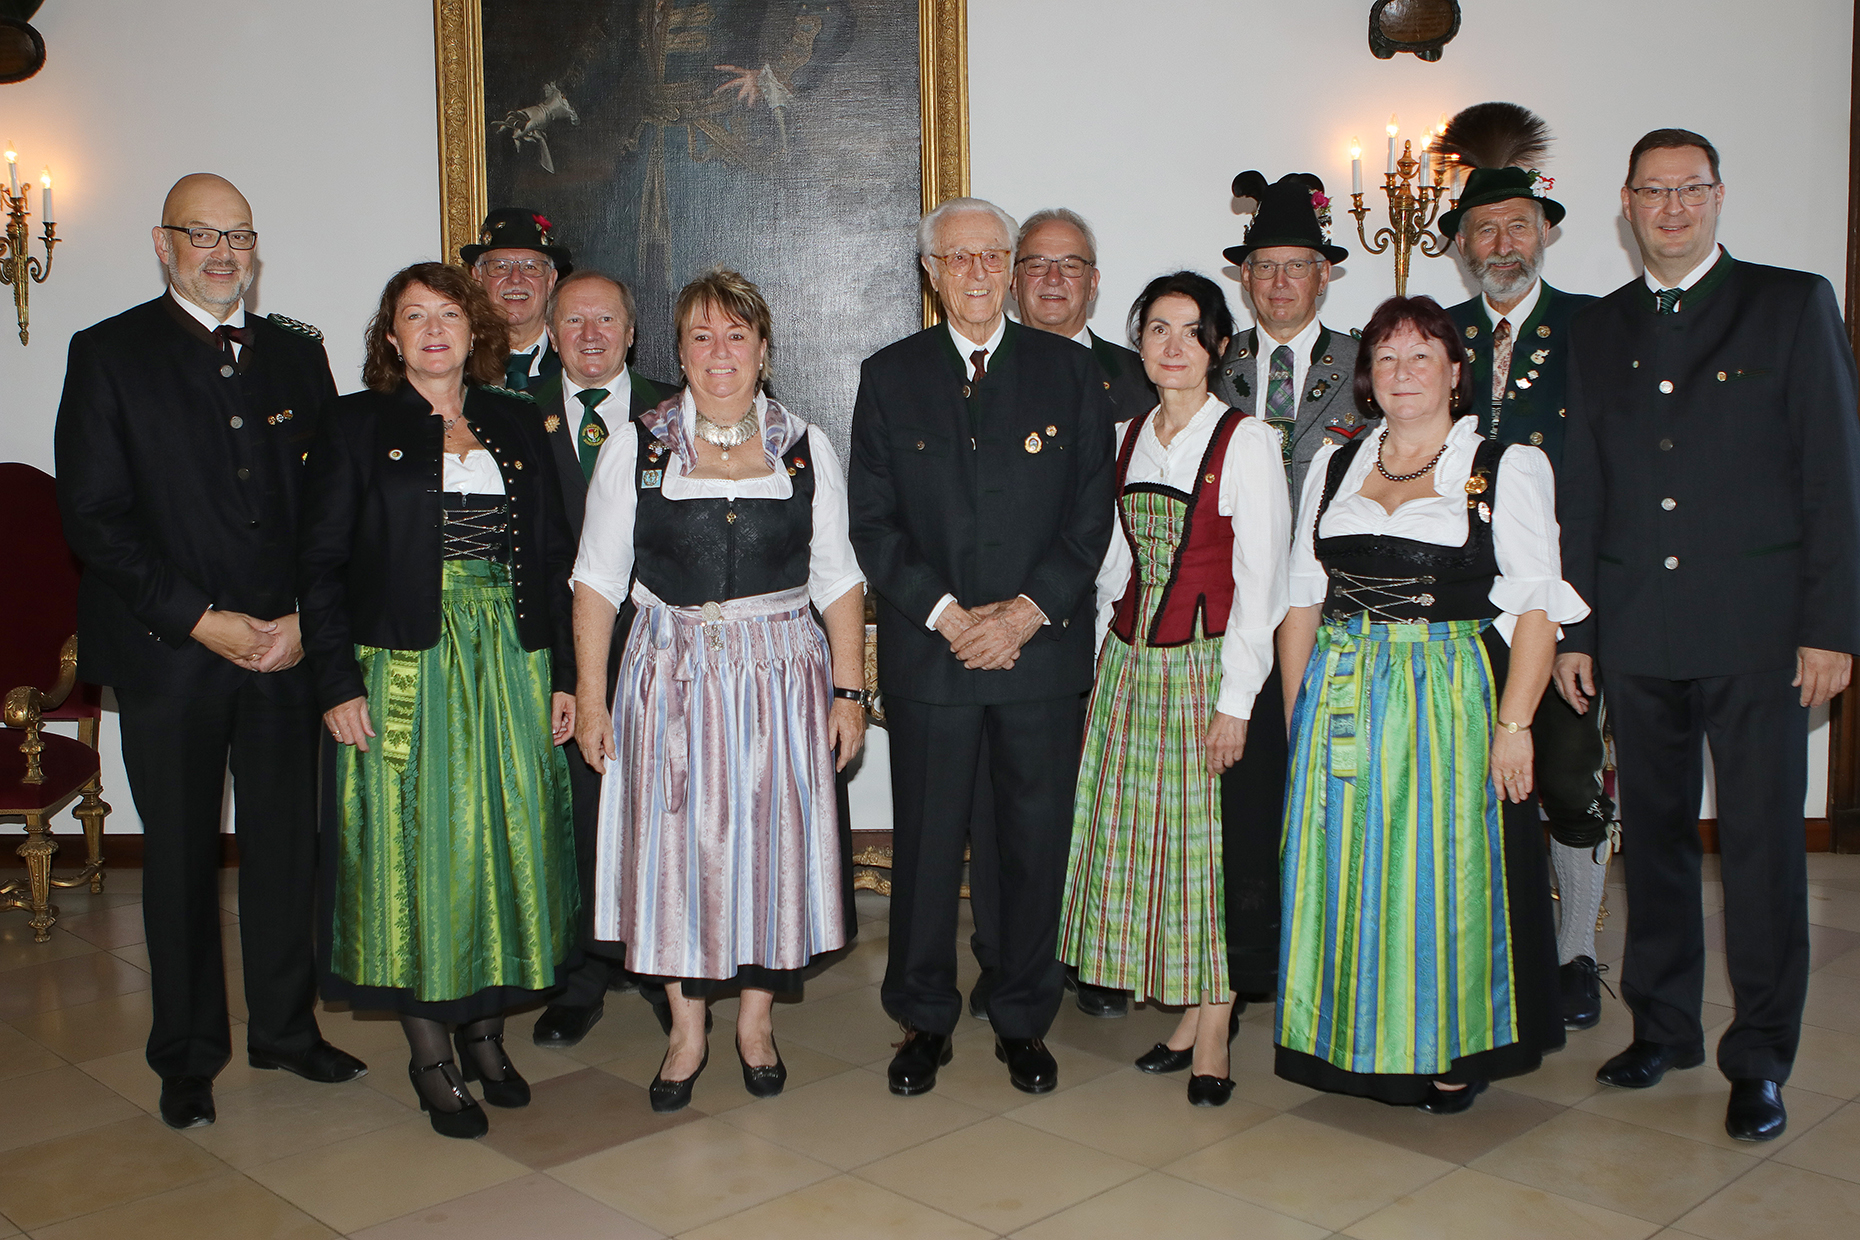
(465, 1123)
(561, 1026)
(322, 1063)
(510, 1090)
(763, 1080)
(1450, 1101)
(1210, 1091)
(1643, 1063)
(1756, 1112)
(913, 1068)
(983, 991)
(1031, 1067)
(1159, 1059)
(674, 1095)
(1581, 984)
(187, 1101)
(1102, 1002)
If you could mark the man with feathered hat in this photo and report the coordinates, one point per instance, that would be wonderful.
(1290, 370)
(518, 264)
(1516, 337)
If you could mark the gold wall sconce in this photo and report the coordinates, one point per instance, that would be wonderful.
(17, 267)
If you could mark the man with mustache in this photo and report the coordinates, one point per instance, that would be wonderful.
(1516, 337)
(180, 446)
(518, 266)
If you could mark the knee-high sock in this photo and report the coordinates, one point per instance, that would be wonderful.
(1579, 881)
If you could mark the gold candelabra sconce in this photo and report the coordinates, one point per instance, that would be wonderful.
(17, 266)
(1415, 189)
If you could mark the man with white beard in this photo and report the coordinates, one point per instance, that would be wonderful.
(1501, 224)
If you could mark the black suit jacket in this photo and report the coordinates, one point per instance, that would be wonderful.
(369, 561)
(1710, 489)
(1128, 384)
(179, 473)
(985, 492)
(647, 394)
(1535, 409)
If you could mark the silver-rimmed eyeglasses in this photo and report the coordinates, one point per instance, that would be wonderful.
(532, 267)
(207, 238)
(1294, 269)
(1652, 196)
(1071, 266)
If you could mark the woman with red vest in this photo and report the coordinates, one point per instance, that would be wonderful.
(1172, 785)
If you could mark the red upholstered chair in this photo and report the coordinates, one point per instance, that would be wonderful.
(40, 774)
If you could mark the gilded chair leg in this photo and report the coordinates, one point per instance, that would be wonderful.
(91, 811)
(37, 852)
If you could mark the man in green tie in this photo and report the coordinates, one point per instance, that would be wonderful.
(518, 266)
(595, 395)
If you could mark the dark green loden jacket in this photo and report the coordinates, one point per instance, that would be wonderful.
(1536, 404)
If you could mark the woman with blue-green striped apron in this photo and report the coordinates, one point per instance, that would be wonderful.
(1417, 952)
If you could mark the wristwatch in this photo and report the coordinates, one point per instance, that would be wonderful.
(1513, 728)
(852, 695)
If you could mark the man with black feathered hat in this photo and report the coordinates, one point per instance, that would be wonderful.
(1290, 370)
(1516, 337)
(518, 265)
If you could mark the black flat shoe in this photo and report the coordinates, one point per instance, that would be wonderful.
(1210, 1091)
(763, 1080)
(187, 1101)
(561, 1026)
(1643, 1063)
(466, 1123)
(1580, 984)
(1031, 1067)
(1756, 1112)
(510, 1090)
(674, 1095)
(981, 993)
(1450, 1101)
(322, 1063)
(1160, 1059)
(913, 1068)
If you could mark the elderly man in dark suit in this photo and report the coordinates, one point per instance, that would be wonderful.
(590, 316)
(180, 446)
(981, 495)
(518, 264)
(1710, 505)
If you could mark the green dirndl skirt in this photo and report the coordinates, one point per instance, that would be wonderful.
(454, 858)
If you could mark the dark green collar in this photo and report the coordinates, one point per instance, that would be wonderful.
(1719, 273)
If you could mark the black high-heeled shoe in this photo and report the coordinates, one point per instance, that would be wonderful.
(763, 1080)
(674, 1095)
(1450, 1101)
(466, 1123)
(509, 1091)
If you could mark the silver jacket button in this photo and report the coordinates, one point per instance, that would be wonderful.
(1672, 561)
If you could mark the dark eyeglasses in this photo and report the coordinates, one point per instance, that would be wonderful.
(207, 238)
(1693, 195)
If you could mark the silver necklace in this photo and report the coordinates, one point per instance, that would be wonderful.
(734, 435)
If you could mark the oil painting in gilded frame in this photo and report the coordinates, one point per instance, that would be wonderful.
(794, 140)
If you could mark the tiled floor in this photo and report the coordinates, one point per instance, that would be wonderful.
(1112, 1153)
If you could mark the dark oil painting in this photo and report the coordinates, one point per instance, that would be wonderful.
(665, 137)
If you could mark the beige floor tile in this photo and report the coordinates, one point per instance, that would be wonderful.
(851, 1119)
(532, 1205)
(1691, 1104)
(636, 1051)
(842, 1208)
(999, 1174)
(1137, 1207)
(1618, 1166)
(1468, 1205)
(1831, 1147)
(20, 1055)
(223, 1205)
(1568, 1076)
(1833, 906)
(98, 1168)
(1828, 1062)
(850, 1026)
(7, 1230)
(1777, 1202)
(280, 1115)
(1310, 1171)
(691, 1175)
(17, 950)
(1717, 980)
(974, 1076)
(70, 982)
(51, 1104)
(1119, 1040)
(136, 954)
(1847, 964)
(573, 1116)
(1133, 1115)
(1251, 1057)
(1833, 1002)
(628, 1022)
(128, 1073)
(1497, 1117)
(383, 1174)
(92, 1030)
(116, 926)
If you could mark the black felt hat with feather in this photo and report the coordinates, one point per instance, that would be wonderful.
(1292, 211)
(1502, 143)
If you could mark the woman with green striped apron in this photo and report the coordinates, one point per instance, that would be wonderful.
(1418, 957)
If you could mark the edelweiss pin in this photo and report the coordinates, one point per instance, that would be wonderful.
(552, 423)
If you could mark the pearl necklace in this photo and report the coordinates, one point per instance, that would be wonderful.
(734, 435)
(1419, 473)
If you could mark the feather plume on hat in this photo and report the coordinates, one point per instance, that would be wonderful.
(1496, 135)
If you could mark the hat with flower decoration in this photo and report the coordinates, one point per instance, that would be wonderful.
(1501, 143)
(517, 228)
(1293, 211)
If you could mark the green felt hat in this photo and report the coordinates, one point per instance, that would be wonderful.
(1489, 185)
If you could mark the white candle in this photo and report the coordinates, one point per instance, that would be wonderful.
(1356, 166)
(12, 168)
(45, 196)
(1394, 129)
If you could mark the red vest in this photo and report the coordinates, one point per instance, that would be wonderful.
(1202, 577)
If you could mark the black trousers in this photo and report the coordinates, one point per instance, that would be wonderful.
(984, 883)
(1759, 744)
(176, 750)
(1033, 758)
(1568, 771)
(601, 963)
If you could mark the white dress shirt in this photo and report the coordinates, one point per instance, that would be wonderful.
(966, 346)
(1692, 277)
(605, 561)
(1301, 346)
(615, 409)
(1524, 529)
(1519, 314)
(477, 474)
(1252, 495)
(235, 319)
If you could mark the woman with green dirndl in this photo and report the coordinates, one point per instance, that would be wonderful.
(1191, 591)
(435, 559)
(1418, 957)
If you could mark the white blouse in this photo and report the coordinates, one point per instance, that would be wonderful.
(477, 474)
(1253, 495)
(1524, 529)
(605, 561)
